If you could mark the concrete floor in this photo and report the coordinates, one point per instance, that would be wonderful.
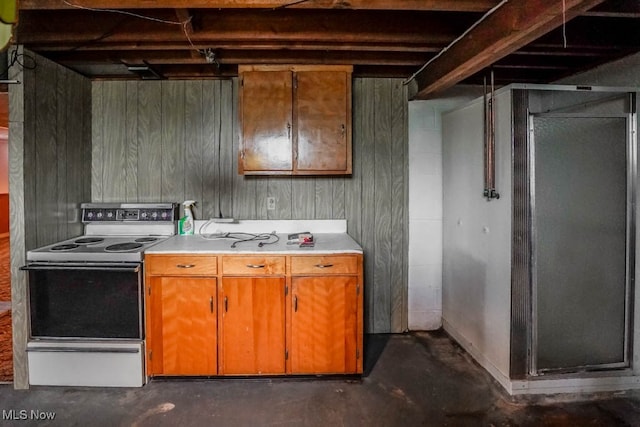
(418, 379)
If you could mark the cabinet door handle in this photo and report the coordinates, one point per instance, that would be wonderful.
(343, 129)
(185, 265)
(288, 130)
(323, 265)
(295, 303)
(226, 304)
(211, 304)
(255, 265)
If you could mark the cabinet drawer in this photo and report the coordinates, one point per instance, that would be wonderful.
(324, 265)
(253, 265)
(182, 265)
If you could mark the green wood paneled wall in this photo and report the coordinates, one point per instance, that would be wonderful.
(178, 140)
(57, 154)
(49, 173)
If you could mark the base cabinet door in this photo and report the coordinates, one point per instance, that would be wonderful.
(324, 325)
(182, 326)
(252, 326)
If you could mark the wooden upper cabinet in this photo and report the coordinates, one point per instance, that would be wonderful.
(323, 118)
(266, 106)
(295, 120)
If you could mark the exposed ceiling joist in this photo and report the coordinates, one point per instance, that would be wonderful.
(511, 26)
(203, 39)
(427, 5)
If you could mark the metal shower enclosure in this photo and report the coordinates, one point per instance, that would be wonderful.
(538, 285)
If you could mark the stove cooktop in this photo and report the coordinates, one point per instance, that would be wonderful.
(93, 248)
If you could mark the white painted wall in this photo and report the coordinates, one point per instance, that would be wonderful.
(425, 211)
(476, 297)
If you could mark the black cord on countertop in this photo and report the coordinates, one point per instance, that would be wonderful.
(241, 237)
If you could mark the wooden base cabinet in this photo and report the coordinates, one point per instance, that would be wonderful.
(181, 315)
(257, 315)
(324, 320)
(326, 332)
(252, 326)
(182, 334)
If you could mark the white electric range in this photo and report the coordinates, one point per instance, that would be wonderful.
(85, 297)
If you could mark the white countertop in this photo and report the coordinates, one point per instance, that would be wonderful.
(325, 243)
(267, 226)
(330, 237)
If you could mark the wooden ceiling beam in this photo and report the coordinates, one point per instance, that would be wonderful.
(390, 38)
(207, 71)
(105, 48)
(509, 28)
(82, 27)
(242, 57)
(425, 5)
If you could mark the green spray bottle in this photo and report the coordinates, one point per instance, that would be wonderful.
(186, 224)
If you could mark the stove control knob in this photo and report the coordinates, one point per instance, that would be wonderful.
(154, 215)
(144, 215)
(99, 215)
(165, 215)
(89, 214)
(110, 215)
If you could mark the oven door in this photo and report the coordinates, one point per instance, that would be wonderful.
(85, 301)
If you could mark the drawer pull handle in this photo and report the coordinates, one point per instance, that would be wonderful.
(226, 304)
(295, 303)
(255, 265)
(185, 265)
(211, 304)
(324, 265)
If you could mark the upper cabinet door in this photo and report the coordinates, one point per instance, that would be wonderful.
(266, 106)
(323, 116)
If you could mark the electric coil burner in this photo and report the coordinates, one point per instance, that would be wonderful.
(86, 297)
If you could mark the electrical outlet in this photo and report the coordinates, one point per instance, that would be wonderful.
(271, 203)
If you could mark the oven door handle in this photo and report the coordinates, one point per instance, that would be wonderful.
(126, 268)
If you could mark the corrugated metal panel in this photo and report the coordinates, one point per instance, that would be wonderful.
(521, 239)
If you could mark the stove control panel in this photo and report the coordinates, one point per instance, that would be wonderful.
(157, 212)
